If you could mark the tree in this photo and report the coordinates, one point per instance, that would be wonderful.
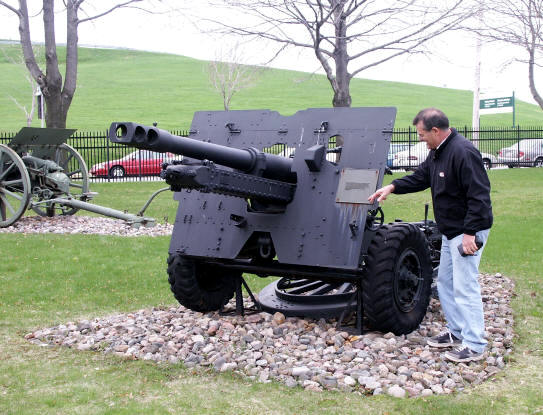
(518, 23)
(347, 36)
(57, 94)
(228, 76)
(18, 60)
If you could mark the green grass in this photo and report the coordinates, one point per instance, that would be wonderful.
(51, 279)
(132, 196)
(125, 85)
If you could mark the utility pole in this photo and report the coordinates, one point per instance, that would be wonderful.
(477, 82)
(476, 93)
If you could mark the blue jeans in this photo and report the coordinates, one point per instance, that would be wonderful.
(460, 293)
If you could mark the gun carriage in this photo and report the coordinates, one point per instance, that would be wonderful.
(287, 197)
(39, 171)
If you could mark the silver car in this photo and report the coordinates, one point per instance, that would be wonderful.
(526, 153)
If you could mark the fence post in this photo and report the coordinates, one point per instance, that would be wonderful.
(107, 160)
(518, 145)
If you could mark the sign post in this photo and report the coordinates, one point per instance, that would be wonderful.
(498, 105)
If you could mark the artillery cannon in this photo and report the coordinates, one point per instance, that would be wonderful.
(38, 170)
(247, 205)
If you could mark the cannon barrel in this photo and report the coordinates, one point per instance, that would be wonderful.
(249, 160)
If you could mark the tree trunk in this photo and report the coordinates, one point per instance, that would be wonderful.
(533, 89)
(342, 96)
(56, 111)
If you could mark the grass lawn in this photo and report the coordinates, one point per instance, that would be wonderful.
(128, 85)
(52, 279)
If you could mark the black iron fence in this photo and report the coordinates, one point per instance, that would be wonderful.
(510, 147)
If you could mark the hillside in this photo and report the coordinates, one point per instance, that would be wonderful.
(117, 85)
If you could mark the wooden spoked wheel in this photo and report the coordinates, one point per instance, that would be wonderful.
(15, 191)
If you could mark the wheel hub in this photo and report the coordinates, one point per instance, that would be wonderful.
(407, 281)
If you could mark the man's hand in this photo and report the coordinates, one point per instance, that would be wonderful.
(468, 244)
(382, 193)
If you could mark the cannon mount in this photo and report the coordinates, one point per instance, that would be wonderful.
(287, 196)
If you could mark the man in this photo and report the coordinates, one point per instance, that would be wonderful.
(461, 199)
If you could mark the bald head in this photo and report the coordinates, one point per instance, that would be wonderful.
(430, 118)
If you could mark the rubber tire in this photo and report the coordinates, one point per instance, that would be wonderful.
(199, 286)
(119, 175)
(487, 163)
(538, 162)
(381, 305)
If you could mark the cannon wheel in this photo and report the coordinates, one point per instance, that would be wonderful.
(75, 168)
(14, 187)
(199, 286)
(397, 279)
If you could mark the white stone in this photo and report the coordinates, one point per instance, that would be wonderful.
(349, 381)
(396, 391)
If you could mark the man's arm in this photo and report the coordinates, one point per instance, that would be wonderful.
(476, 186)
(415, 182)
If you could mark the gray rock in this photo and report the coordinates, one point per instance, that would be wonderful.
(301, 371)
(329, 382)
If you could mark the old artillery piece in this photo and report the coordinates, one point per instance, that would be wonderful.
(39, 171)
(243, 208)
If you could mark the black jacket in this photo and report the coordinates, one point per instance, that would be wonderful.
(459, 184)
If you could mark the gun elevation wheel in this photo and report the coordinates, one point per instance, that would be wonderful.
(75, 168)
(14, 187)
(397, 279)
(200, 286)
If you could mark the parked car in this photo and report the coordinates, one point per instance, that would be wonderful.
(395, 148)
(412, 157)
(527, 153)
(139, 162)
(489, 160)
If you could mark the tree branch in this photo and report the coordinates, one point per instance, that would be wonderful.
(117, 6)
(11, 8)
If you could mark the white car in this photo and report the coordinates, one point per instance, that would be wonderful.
(489, 160)
(411, 158)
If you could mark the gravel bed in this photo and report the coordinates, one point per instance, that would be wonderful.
(85, 225)
(313, 354)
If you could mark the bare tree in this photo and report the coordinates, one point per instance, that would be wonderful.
(57, 94)
(518, 23)
(347, 36)
(18, 60)
(228, 76)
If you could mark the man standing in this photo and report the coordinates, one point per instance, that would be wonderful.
(460, 190)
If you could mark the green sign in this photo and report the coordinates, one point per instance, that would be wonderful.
(492, 103)
(498, 105)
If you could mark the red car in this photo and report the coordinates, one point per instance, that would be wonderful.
(138, 163)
